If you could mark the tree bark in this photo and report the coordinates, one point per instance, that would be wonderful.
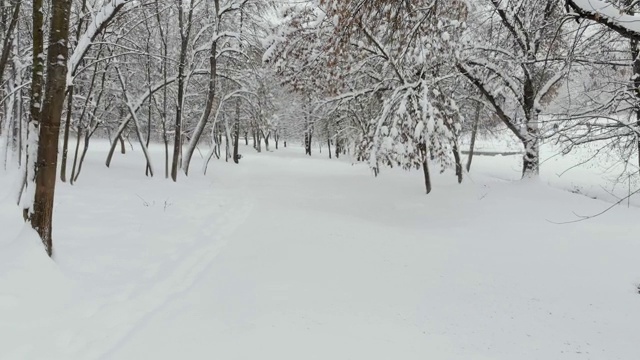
(65, 138)
(427, 177)
(213, 67)
(41, 215)
(185, 29)
(6, 44)
(474, 132)
(458, 160)
(236, 133)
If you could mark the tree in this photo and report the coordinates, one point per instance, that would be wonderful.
(516, 79)
(41, 214)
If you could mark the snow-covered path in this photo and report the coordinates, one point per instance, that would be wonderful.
(287, 257)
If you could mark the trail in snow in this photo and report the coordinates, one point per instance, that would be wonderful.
(295, 258)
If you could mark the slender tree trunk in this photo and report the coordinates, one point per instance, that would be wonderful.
(185, 29)
(75, 155)
(329, 146)
(474, 132)
(635, 54)
(427, 177)
(37, 81)
(65, 138)
(202, 123)
(42, 214)
(307, 143)
(276, 138)
(8, 38)
(236, 133)
(458, 161)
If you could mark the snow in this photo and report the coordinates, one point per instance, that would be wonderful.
(290, 257)
(610, 13)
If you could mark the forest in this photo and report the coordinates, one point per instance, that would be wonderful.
(280, 151)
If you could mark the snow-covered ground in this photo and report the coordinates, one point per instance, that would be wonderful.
(286, 257)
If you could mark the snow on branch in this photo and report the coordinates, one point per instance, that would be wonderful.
(607, 14)
(100, 20)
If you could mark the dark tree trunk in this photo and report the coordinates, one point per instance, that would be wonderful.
(427, 177)
(75, 156)
(185, 29)
(8, 37)
(474, 132)
(65, 140)
(307, 143)
(456, 156)
(329, 146)
(213, 68)
(425, 167)
(42, 213)
(236, 133)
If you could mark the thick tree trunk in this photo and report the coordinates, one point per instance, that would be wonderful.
(531, 158)
(41, 215)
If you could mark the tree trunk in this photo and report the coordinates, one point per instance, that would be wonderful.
(8, 37)
(474, 132)
(329, 146)
(65, 138)
(41, 215)
(531, 158)
(209, 103)
(75, 156)
(37, 80)
(456, 156)
(635, 77)
(185, 29)
(307, 143)
(236, 133)
(427, 177)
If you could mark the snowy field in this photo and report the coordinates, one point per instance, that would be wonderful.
(286, 257)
